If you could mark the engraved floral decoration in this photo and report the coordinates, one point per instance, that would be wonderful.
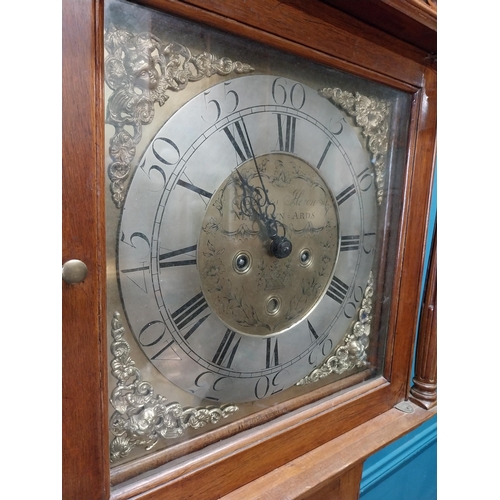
(140, 417)
(352, 352)
(269, 294)
(372, 116)
(141, 70)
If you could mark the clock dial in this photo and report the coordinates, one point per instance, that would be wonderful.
(246, 238)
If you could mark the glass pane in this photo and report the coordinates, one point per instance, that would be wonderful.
(252, 213)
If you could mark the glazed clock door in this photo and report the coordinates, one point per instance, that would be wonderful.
(240, 246)
(246, 195)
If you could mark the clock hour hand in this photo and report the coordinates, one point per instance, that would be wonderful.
(261, 205)
(281, 246)
(255, 203)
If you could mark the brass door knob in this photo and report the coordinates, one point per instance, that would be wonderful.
(74, 271)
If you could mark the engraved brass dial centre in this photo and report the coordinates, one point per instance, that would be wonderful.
(252, 290)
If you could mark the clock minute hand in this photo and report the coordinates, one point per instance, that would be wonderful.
(253, 202)
(281, 246)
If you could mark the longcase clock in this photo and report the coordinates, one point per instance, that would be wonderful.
(246, 197)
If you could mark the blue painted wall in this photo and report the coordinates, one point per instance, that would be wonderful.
(407, 468)
(404, 470)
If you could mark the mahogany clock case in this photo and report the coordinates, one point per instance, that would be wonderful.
(311, 45)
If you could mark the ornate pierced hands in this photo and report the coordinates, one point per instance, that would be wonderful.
(256, 202)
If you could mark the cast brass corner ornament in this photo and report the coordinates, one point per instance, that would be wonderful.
(372, 116)
(351, 353)
(141, 70)
(140, 417)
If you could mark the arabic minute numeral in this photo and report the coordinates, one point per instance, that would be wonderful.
(365, 180)
(166, 151)
(267, 386)
(216, 107)
(294, 96)
(155, 333)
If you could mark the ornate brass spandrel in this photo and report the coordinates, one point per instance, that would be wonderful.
(141, 70)
(351, 353)
(371, 115)
(251, 290)
(141, 418)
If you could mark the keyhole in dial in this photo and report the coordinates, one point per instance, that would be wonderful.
(241, 262)
(305, 257)
(273, 305)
